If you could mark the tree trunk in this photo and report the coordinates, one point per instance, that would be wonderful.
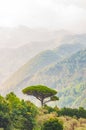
(42, 102)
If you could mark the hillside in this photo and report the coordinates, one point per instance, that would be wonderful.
(19, 44)
(56, 68)
(68, 77)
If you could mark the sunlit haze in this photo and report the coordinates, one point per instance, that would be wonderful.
(52, 14)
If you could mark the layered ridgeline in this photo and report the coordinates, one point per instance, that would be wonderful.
(19, 44)
(63, 68)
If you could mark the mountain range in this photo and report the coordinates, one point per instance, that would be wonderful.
(63, 68)
(41, 56)
(18, 45)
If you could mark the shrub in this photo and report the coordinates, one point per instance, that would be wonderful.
(52, 124)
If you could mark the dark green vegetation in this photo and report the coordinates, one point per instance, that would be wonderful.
(71, 112)
(52, 124)
(16, 114)
(41, 92)
(81, 112)
(63, 69)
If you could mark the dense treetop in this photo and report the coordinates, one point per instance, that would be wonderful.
(41, 90)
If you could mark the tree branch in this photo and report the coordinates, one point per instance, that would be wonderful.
(47, 101)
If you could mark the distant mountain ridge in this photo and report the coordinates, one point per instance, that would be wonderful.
(19, 44)
(63, 68)
(66, 75)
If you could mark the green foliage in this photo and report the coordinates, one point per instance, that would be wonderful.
(54, 98)
(13, 99)
(51, 109)
(81, 112)
(76, 96)
(16, 113)
(4, 120)
(52, 124)
(41, 92)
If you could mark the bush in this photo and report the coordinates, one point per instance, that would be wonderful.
(52, 124)
(78, 113)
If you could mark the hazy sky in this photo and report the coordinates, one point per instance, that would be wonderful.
(54, 14)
